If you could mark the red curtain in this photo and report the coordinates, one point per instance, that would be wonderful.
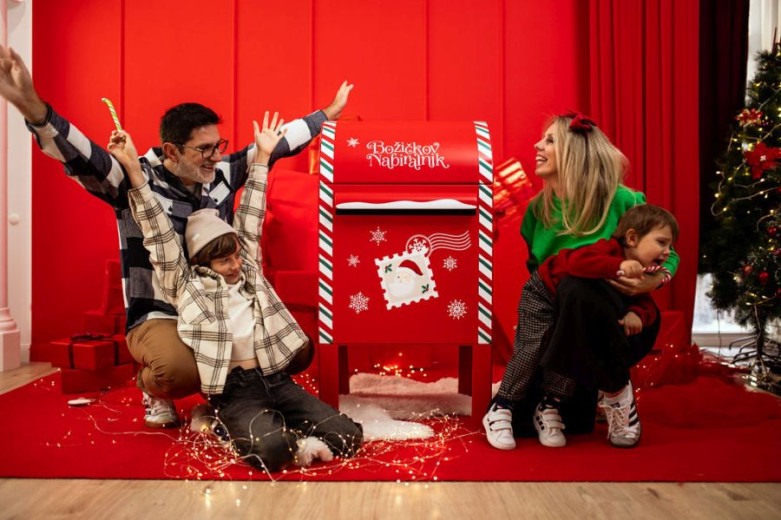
(644, 94)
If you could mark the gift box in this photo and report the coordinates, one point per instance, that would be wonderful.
(59, 353)
(121, 352)
(98, 321)
(94, 355)
(76, 380)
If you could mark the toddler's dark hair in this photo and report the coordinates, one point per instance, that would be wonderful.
(644, 219)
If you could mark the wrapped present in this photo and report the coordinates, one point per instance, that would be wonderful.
(100, 322)
(76, 380)
(94, 355)
(121, 352)
(512, 187)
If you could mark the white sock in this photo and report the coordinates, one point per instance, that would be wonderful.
(624, 395)
(311, 449)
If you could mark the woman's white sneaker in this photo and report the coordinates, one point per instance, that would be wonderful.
(548, 424)
(498, 424)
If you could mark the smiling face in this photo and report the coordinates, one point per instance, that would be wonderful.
(546, 166)
(653, 248)
(229, 266)
(190, 165)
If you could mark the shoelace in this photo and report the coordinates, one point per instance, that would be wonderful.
(618, 419)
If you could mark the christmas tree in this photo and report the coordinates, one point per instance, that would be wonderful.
(744, 254)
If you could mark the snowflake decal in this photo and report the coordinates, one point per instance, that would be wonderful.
(359, 303)
(352, 142)
(456, 309)
(418, 246)
(353, 261)
(378, 236)
(450, 263)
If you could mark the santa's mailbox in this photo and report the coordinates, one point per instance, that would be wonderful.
(405, 238)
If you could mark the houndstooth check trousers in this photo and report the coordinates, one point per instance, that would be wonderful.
(536, 317)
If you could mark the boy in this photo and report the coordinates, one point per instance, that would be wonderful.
(242, 335)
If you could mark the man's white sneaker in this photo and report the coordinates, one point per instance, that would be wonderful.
(622, 419)
(311, 449)
(548, 424)
(498, 424)
(160, 413)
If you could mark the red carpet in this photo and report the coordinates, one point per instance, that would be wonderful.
(707, 430)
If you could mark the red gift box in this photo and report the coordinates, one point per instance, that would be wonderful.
(75, 381)
(98, 321)
(121, 352)
(95, 355)
(59, 353)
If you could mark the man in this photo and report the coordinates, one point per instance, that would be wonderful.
(190, 173)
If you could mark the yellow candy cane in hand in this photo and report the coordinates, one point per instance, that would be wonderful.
(108, 102)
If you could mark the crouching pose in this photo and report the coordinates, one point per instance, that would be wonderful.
(242, 335)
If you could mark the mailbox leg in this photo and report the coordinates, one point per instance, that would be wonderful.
(481, 381)
(344, 371)
(329, 374)
(465, 369)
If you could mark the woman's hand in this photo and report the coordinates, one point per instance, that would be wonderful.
(267, 138)
(632, 324)
(121, 146)
(635, 286)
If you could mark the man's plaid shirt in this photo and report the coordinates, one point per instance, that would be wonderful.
(201, 295)
(101, 175)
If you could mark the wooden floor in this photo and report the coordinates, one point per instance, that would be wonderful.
(119, 499)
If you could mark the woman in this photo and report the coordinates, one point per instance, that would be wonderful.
(581, 202)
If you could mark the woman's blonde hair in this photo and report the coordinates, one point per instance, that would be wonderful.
(590, 169)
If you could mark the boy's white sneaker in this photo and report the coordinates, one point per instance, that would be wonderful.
(548, 424)
(311, 449)
(622, 420)
(159, 413)
(498, 424)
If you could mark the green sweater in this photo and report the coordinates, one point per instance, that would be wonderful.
(544, 242)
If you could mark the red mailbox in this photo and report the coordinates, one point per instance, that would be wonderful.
(405, 243)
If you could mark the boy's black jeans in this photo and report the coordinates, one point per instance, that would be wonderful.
(266, 415)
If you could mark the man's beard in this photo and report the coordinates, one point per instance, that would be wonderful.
(186, 169)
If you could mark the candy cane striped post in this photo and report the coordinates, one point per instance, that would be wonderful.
(326, 234)
(485, 233)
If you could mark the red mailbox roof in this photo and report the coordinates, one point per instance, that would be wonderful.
(403, 152)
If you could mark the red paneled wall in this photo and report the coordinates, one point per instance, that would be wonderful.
(511, 63)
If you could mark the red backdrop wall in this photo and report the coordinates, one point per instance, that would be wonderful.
(511, 63)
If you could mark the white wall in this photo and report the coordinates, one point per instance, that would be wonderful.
(20, 187)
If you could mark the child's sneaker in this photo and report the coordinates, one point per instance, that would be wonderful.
(311, 449)
(498, 424)
(548, 423)
(622, 419)
(159, 413)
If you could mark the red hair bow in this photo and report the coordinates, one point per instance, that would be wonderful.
(580, 123)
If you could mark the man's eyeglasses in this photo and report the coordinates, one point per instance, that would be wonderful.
(208, 150)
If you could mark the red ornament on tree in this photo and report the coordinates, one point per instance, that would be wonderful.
(761, 159)
(772, 231)
(747, 269)
(764, 276)
(749, 117)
